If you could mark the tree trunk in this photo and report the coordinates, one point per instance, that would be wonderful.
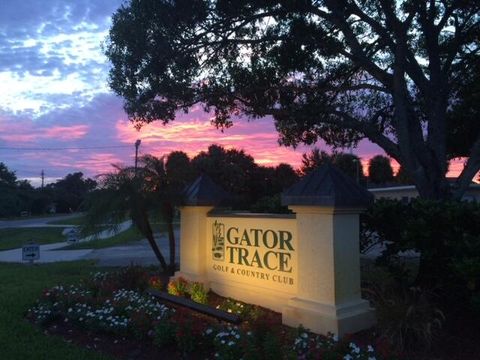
(168, 217)
(143, 224)
(156, 250)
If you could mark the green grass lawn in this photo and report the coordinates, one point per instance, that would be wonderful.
(79, 220)
(11, 238)
(20, 286)
(125, 237)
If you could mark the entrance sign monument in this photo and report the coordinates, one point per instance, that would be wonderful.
(305, 265)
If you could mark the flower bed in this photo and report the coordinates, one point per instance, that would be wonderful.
(116, 305)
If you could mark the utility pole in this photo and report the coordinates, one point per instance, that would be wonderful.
(42, 174)
(137, 144)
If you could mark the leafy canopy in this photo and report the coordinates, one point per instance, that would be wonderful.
(339, 70)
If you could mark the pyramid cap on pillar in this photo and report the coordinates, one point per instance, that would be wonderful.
(204, 192)
(329, 187)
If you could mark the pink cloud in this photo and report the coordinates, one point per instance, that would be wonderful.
(29, 131)
(66, 132)
(194, 134)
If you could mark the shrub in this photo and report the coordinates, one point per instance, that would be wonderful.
(406, 317)
(178, 287)
(189, 331)
(231, 343)
(446, 236)
(164, 333)
(103, 284)
(245, 311)
(155, 283)
(306, 345)
(123, 312)
(198, 293)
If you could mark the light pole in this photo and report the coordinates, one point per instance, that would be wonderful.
(137, 144)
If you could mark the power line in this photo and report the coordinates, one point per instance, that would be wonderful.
(63, 148)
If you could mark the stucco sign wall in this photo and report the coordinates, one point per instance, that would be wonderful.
(305, 265)
(257, 251)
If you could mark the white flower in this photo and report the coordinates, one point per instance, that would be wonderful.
(370, 348)
(347, 357)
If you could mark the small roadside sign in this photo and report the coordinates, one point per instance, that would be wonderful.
(30, 252)
(73, 235)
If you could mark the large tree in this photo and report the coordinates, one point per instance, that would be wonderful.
(380, 170)
(340, 70)
(71, 191)
(350, 164)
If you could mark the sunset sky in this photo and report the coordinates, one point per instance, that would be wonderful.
(57, 113)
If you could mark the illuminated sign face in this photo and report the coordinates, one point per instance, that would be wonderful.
(253, 251)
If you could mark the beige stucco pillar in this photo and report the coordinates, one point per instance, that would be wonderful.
(193, 222)
(327, 204)
(199, 198)
(328, 297)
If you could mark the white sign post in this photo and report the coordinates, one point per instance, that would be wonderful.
(30, 252)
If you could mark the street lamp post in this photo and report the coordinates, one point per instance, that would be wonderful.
(137, 144)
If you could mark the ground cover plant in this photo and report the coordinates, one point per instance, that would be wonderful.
(115, 304)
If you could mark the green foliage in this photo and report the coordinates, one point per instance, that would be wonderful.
(164, 333)
(124, 194)
(178, 287)
(380, 170)
(232, 343)
(71, 191)
(244, 310)
(313, 69)
(406, 316)
(236, 172)
(402, 227)
(446, 237)
(188, 331)
(270, 204)
(15, 196)
(350, 164)
(181, 287)
(402, 177)
(198, 293)
(114, 304)
(105, 283)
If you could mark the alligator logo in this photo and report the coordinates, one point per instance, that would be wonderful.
(218, 244)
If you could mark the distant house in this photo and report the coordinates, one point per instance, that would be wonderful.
(406, 193)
